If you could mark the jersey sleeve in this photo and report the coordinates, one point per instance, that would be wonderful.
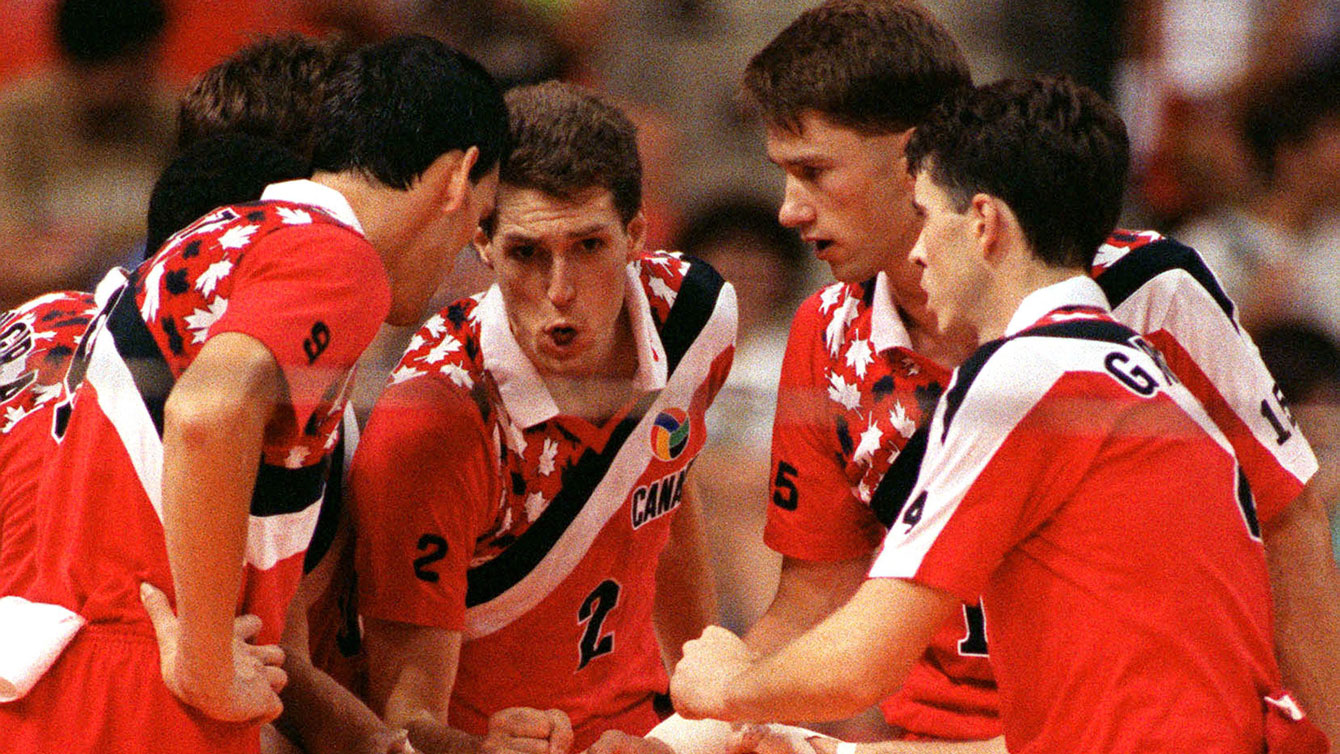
(1175, 301)
(315, 296)
(1003, 455)
(421, 483)
(813, 514)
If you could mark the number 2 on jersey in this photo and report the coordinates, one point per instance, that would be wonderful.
(594, 608)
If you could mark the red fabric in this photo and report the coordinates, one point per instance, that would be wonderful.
(106, 694)
(100, 536)
(949, 694)
(1096, 527)
(815, 436)
(444, 481)
(37, 340)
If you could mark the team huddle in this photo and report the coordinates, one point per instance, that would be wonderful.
(1033, 487)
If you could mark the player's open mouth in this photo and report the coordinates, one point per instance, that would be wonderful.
(562, 335)
(821, 245)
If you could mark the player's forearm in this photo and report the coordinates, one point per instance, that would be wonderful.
(851, 660)
(213, 429)
(1306, 588)
(807, 592)
(686, 599)
(323, 716)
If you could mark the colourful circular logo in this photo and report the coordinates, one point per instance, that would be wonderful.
(669, 434)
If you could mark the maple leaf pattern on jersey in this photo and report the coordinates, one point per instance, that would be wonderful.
(875, 399)
(186, 287)
(38, 339)
(532, 461)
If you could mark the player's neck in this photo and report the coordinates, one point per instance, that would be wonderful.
(1009, 289)
(598, 396)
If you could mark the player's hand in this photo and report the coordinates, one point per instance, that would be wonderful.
(618, 742)
(250, 695)
(698, 685)
(523, 730)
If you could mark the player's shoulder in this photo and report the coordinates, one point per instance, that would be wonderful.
(1130, 260)
(446, 348)
(831, 308)
(674, 281)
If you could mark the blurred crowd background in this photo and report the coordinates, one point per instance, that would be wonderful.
(1233, 107)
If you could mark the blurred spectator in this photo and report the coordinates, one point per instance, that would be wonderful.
(80, 147)
(1269, 249)
(767, 264)
(1307, 365)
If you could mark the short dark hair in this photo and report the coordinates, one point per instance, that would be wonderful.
(271, 88)
(98, 31)
(1053, 150)
(566, 140)
(876, 66)
(394, 107)
(214, 172)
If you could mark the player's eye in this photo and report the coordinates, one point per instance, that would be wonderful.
(592, 244)
(521, 252)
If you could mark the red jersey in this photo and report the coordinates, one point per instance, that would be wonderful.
(1085, 494)
(479, 508)
(851, 394)
(294, 273)
(1155, 286)
(37, 341)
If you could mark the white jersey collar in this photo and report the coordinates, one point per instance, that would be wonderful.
(1080, 290)
(303, 191)
(886, 324)
(524, 394)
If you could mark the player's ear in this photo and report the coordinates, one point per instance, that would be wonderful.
(637, 235)
(484, 245)
(454, 189)
(984, 223)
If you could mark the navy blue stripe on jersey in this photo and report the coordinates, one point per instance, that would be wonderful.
(1104, 330)
(281, 490)
(488, 580)
(693, 307)
(963, 379)
(896, 487)
(327, 521)
(1144, 263)
(1247, 502)
(136, 345)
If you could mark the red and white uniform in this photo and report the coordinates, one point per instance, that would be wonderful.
(1157, 287)
(37, 341)
(851, 394)
(1088, 498)
(480, 509)
(293, 272)
(1163, 290)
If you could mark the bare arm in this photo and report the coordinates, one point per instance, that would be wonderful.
(685, 591)
(807, 592)
(411, 672)
(320, 714)
(875, 639)
(1306, 589)
(214, 422)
